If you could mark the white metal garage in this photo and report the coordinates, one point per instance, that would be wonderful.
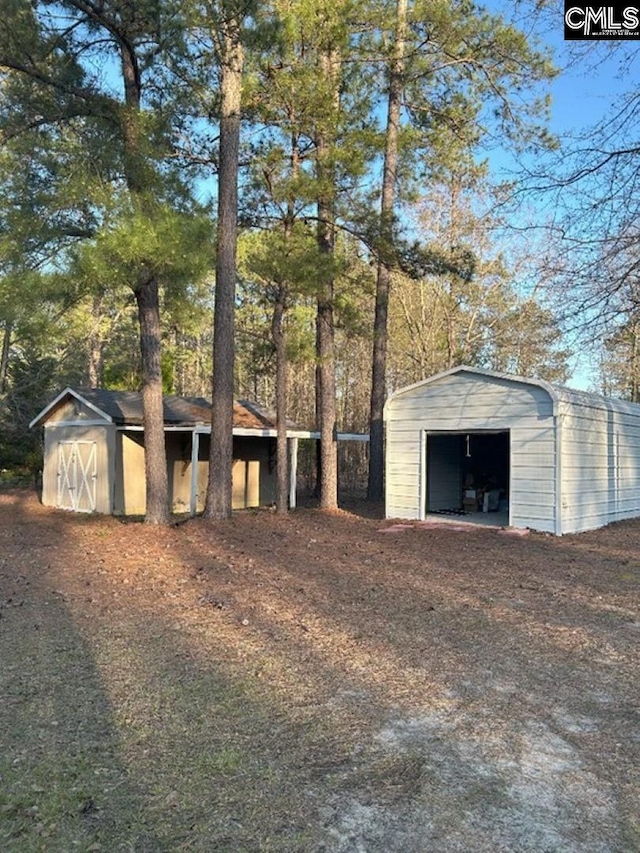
(550, 458)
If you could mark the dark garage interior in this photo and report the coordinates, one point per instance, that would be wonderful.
(468, 472)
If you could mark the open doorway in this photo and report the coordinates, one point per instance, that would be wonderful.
(468, 474)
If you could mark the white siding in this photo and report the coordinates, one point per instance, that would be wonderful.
(472, 402)
(600, 463)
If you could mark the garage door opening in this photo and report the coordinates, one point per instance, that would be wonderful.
(468, 474)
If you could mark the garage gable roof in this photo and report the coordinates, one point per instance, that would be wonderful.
(556, 393)
(490, 374)
(124, 408)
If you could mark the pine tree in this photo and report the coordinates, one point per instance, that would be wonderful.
(49, 57)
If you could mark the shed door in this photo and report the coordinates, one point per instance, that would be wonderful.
(77, 476)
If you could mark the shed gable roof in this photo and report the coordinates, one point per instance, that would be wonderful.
(124, 408)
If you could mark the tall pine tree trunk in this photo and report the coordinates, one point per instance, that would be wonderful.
(4, 354)
(155, 459)
(148, 301)
(282, 450)
(278, 333)
(325, 332)
(219, 490)
(94, 368)
(326, 375)
(633, 366)
(375, 488)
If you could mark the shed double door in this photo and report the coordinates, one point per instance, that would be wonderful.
(77, 476)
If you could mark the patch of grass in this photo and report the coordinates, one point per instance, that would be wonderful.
(631, 833)
(50, 803)
(16, 479)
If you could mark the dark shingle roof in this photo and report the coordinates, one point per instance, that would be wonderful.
(125, 407)
(265, 417)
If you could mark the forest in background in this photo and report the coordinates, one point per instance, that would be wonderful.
(365, 205)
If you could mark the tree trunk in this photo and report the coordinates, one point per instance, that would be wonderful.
(375, 487)
(94, 370)
(326, 374)
(325, 333)
(282, 452)
(219, 489)
(278, 333)
(148, 301)
(4, 355)
(155, 459)
(634, 364)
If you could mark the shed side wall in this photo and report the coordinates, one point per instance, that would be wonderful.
(131, 494)
(253, 472)
(472, 403)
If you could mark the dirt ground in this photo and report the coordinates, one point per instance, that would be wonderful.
(317, 683)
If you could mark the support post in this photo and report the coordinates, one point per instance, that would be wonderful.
(293, 472)
(195, 452)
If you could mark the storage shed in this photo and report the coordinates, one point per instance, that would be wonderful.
(550, 459)
(94, 452)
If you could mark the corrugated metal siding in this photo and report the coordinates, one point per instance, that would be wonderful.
(471, 403)
(600, 465)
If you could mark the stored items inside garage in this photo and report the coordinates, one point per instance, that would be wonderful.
(467, 472)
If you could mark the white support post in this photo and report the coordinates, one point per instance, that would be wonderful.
(195, 452)
(293, 472)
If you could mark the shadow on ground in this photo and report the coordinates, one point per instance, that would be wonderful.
(313, 684)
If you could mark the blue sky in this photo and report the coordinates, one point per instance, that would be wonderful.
(583, 94)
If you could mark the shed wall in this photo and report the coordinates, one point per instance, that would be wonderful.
(600, 465)
(72, 411)
(253, 472)
(473, 403)
(130, 496)
(179, 470)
